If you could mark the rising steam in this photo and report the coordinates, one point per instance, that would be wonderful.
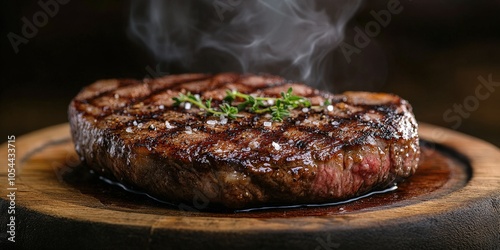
(292, 38)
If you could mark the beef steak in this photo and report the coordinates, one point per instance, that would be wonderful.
(130, 130)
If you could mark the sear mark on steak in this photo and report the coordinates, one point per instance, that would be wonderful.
(130, 130)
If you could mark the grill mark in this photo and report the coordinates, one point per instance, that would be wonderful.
(145, 116)
(248, 125)
(121, 84)
(132, 101)
(156, 92)
(245, 125)
(175, 84)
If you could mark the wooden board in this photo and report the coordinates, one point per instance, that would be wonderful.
(453, 201)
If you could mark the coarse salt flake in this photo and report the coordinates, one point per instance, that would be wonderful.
(267, 124)
(276, 145)
(329, 107)
(254, 144)
(168, 125)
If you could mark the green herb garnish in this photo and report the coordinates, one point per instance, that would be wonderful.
(278, 107)
(224, 109)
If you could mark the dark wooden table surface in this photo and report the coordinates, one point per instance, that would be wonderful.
(430, 53)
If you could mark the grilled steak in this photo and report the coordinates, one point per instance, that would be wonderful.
(130, 130)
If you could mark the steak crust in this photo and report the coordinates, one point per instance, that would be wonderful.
(131, 131)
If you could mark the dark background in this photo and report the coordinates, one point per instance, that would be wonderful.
(431, 54)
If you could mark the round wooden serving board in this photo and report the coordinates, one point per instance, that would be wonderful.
(453, 201)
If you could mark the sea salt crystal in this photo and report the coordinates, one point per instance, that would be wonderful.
(329, 107)
(168, 125)
(276, 145)
(305, 110)
(129, 130)
(161, 107)
(140, 125)
(223, 119)
(211, 122)
(267, 124)
(254, 144)
(187, 105)
(188, 130)
(134, 123)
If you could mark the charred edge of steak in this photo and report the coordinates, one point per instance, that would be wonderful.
(131, 131)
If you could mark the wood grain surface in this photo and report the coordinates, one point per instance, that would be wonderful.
(452, 202)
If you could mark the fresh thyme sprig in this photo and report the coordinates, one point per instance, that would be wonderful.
(224, 109)
(278, 107)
